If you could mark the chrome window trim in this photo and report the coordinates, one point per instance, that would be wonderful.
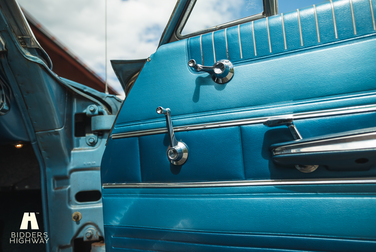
(300, 28)
(254, 38)
(317, 24)
(226, 44)
(267, 29)
(202, 54)
(297, 116)
(353, 16)
(373, 16)
(272, 182)
(240, 44)
(334, 20)
(284, 32)
(187, 13)
(215, 60)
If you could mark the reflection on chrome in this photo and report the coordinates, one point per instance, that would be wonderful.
(361, 141)
(221, 72)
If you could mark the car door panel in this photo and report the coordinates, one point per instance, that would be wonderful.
(278, 214)
(304, 96)
(315, 66)
(242, 243)
(244, 153)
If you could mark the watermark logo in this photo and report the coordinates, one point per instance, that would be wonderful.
(29, 217)
(33, 237)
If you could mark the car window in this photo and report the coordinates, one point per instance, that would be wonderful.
(211, 13)
(208, 14)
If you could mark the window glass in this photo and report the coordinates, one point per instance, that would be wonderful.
(293, 5)
(210, 13)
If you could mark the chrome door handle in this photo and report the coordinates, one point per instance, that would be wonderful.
(177, 152)
(221, 72)
(289, 122)
(346, 151)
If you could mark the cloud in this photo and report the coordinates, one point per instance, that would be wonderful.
(209, 13)
(133, 28)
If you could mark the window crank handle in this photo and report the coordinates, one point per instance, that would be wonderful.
(177, 152)
(170, 128)
(221, 72)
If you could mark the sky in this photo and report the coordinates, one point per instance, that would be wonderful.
(134, 27)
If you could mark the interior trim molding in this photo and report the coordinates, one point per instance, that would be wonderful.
(275, 182)
(297, 116)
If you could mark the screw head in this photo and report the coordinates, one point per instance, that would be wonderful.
(89, 234)
(191, 63)
(172, 154)
(76, 216)
(91, 140)
(92, 108)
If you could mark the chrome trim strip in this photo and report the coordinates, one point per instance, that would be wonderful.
(300, 28)
(240, 43)
(226, 43)
(214, 28)
(284, 32)
(373, 15)
(352, 16)
(202, 53)
(317, 24)
(213, 47)
(334, 20)
(254, 39)
(297, 116)
(272, 182)
(267, 28)
(140, 133)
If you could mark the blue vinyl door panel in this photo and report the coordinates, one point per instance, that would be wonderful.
(316, 66)
(278, 81)
(257, 210)
(247, 218)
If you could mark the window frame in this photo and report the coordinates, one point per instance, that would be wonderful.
(270, 8)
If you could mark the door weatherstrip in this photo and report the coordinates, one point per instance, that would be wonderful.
(297, 116)
(275, 182)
